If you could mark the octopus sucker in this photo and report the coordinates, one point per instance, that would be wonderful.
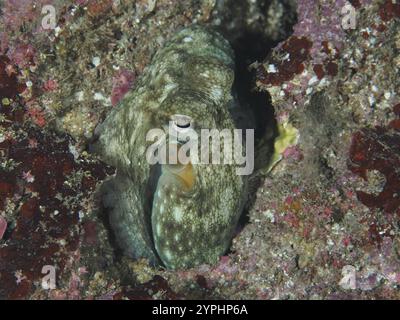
(184, 214)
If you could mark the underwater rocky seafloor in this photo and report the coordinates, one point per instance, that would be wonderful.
(324, 223)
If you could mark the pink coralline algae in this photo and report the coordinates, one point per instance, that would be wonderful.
(314, 46)
(379, 149)
(36, 114)
(321, 23)
(50, 85)
(9, 85)
(17, 12)
(97, 8)
(45, 229)
(122, 83)
(28, 177)
(289, 62)
(3, 42)
(389, 10)
(293, 153)
(22, 55)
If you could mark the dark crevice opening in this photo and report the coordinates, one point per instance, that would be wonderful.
(253, 44)
(251, 47)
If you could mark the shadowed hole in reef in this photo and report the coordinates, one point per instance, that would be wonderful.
(257, 104)
(250, 45)
(248, 48)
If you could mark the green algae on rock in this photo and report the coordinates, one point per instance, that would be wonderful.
(182, 217)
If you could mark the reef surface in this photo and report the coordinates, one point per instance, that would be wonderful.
(324, 222)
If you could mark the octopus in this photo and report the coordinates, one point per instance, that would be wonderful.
(175, 215)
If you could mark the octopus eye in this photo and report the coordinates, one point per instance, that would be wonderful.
(182, 127)
(182, 122)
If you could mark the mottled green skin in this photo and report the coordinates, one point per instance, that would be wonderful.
(191, 75)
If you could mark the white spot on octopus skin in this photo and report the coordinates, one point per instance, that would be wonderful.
(178, 214)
